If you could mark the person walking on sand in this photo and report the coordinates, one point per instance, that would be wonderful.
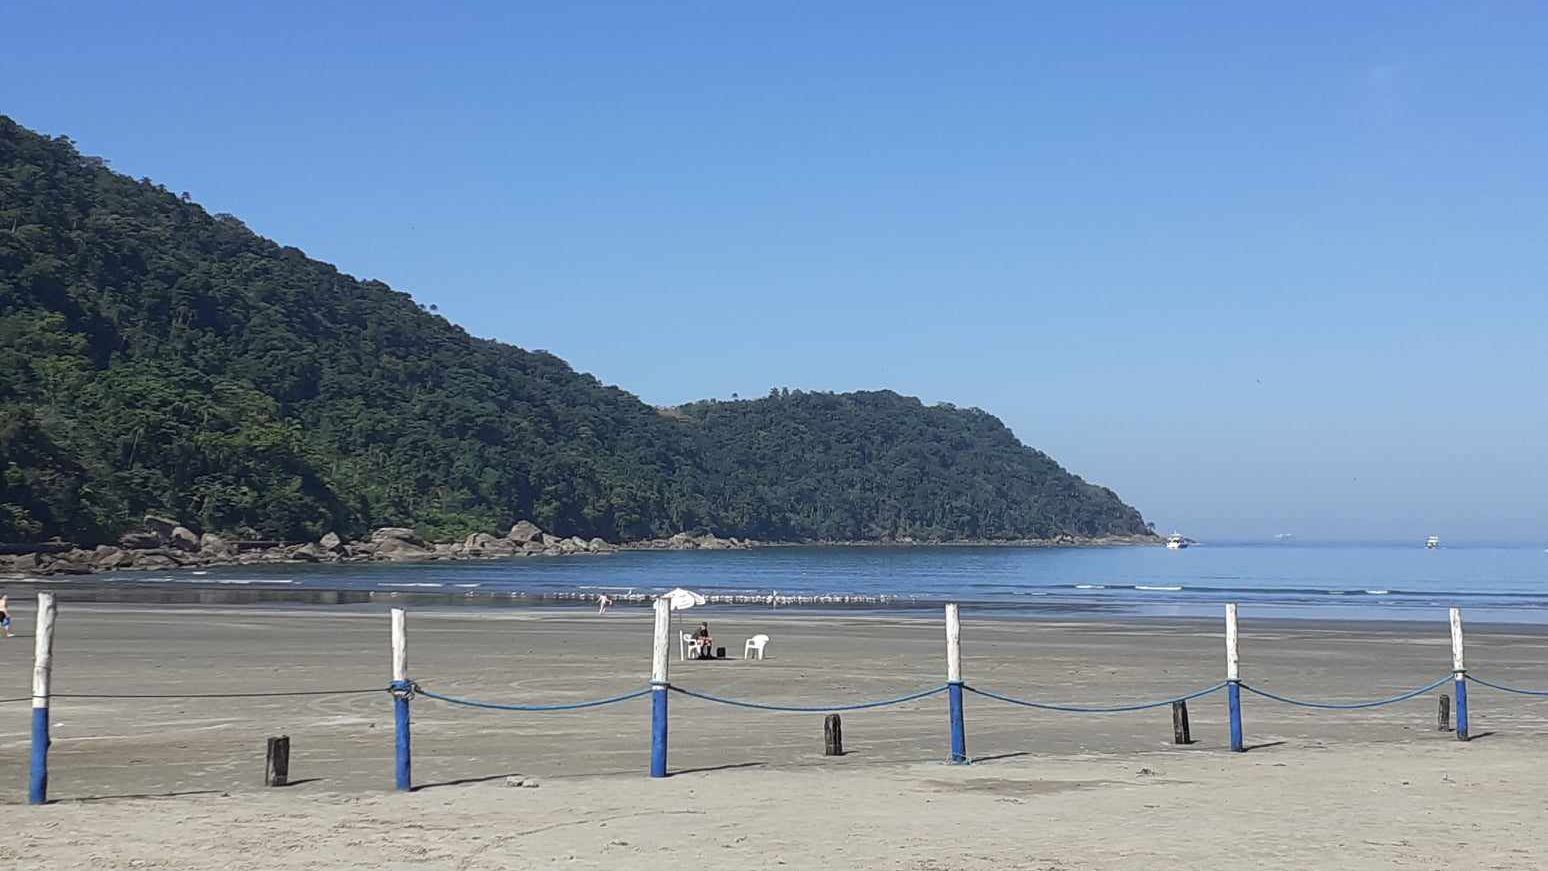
(5, 616)
(602, 602)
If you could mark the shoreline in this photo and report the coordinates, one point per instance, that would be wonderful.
(51, 560)
(192, 597)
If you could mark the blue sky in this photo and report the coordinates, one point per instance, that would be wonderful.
(1259, 270)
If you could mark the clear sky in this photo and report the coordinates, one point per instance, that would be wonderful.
(1258, 269)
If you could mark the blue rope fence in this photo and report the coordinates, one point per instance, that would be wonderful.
(1089, 709)
(1349, 706)
(419, 690)
(809, 709)
(1502, 688)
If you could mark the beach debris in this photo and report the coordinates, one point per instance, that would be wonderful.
(516, 781)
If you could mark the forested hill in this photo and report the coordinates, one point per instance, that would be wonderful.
(157, 358)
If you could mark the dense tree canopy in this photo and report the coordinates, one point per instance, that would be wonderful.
(155, 357)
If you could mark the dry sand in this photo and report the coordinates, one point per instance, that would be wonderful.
(177, 783)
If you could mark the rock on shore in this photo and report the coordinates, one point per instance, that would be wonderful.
(164, 543)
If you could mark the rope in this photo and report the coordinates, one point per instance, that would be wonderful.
(808, 709)
(497, 706)
(1082, 709)
(17, 699)
(1351, 706)
(1503, 688)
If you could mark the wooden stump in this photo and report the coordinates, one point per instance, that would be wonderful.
(276, 762)
(1443, 717)
(832, 736)
(1180, 734)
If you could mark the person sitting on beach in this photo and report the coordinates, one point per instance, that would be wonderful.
(703, 642)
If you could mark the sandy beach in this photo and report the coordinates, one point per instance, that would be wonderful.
(177, 783)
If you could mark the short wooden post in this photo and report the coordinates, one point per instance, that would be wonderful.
(1443, 718)
(1180, 733)
(832, 736)
(276, 762)
(659, 657)
(1233, 680)
(1459, 673)
(401, 691)
(42, 679)
(954, 684)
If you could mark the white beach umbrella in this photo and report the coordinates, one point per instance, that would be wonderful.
(682, 599)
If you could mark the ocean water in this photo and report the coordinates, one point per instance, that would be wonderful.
(1358, 582)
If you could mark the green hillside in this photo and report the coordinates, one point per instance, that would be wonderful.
(155, 357)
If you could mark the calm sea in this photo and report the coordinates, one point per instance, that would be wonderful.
(1365, 582)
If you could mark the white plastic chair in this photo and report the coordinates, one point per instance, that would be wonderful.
(755, 643)
(684, 642)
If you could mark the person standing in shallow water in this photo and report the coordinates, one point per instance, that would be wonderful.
(5, 616)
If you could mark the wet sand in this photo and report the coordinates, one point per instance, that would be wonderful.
(178, 782)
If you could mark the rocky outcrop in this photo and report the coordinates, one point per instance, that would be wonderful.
(396, 533)
(399, 549)
(107, 558)
(161, 526)
(165, 543)
(525, 531)
(183, 539)
(215, 547)
(139, 540)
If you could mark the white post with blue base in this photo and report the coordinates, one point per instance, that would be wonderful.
(659, 657)
(42, 677)
(1459, 673)
(1233, 680)
(954, 685)
(403, 773)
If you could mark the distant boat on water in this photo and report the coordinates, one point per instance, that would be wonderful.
(1175, 541)
(1432, 542)
(1284, 536)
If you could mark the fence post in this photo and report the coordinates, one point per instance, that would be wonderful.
(954, 684)
(1233, 680)
(658, 689)
(1180, 731)
(42, 675)
(401, 689)
(1459, 673)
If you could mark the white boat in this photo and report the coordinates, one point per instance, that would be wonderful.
(1432, 542)
(1175, 541)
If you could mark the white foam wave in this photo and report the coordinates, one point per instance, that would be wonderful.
(1090, 586)
(434, 586)
(1157, 589)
